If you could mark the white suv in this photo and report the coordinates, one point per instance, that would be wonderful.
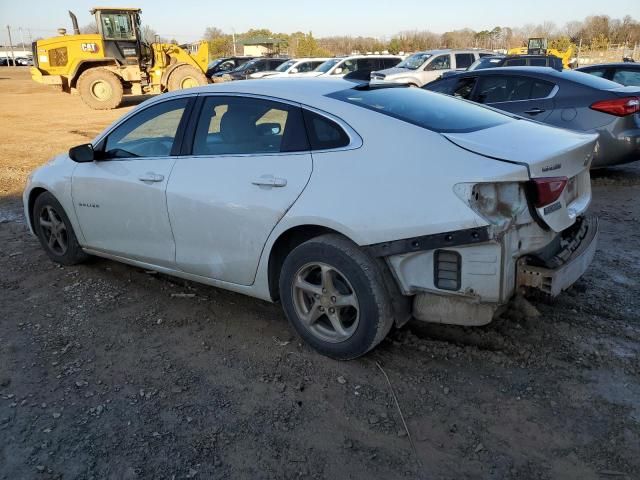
(424, 67)
(341, 66)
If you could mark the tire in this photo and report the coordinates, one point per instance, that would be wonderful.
(186, 76)
(50, 220)
(357, 282)
(100, 89)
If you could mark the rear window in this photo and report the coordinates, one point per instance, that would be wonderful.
(589, 80)
(429, 110)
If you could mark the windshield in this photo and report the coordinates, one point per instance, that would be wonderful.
(486, 62)
(117, 26)
(285, 66)
(414, 61)
(326, 66)
(433, 111)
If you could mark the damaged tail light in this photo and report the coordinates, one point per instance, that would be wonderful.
(620, 107)
(499, 203)
(547, 190)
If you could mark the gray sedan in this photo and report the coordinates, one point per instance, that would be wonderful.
(567, 99)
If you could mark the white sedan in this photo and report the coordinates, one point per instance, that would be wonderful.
(355, 206)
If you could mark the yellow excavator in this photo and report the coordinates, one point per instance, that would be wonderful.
(539, 46)
(116, 61)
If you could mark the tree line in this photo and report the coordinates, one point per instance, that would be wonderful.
(595, 32)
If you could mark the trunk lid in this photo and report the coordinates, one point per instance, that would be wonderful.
(546, 152)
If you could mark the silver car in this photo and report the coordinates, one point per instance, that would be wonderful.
(424, 67)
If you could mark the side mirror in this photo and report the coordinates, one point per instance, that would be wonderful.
(338, 71)
(293, 70)
(82, 153)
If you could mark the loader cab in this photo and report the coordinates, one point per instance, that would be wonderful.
(537, 46)
(120, 30)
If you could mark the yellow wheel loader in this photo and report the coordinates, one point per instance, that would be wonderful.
(539, 46)
(116, 61)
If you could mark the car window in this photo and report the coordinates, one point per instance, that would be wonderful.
(390, 62)
(627, 77)
(367, 64)
(504, 88)
(464, 60)
(538, 62)
(439, 113)
(306, 66)
(598, 72)
(238, 125)
(443, 86)
(464, 87)
(441, 62)
(347, 67)
(324, 133)
(515, 62)
(150, 133)
(486, 55)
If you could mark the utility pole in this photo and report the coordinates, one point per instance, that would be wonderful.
(233, 35)
(21, 37)
(11, 46)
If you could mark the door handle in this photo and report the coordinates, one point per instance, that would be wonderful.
(270, 181)
(534, 111)
(151, 177)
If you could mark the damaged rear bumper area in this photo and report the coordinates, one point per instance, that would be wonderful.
(472, 281)
(551, 277)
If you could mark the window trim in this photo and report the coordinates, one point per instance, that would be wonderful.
(554, 90)
(355, 141)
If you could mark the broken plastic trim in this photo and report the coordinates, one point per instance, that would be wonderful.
(430, 242)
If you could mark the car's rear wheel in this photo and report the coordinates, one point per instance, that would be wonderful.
(334, 295)
(54, 230)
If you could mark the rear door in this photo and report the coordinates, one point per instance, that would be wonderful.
(248, 162)
(526, 96)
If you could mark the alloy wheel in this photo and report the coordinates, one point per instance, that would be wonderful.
(54, 230)
(325, 302)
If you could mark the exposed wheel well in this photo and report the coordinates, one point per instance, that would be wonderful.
(35, 193)
(285, 243)
(84, 66)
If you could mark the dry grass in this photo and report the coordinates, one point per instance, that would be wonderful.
(37, 123)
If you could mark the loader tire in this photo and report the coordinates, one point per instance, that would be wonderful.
(100, 88)
(186, 76)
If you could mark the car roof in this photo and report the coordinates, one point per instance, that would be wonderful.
(299, 90)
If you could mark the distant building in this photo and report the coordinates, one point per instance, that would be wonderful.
(261, 46)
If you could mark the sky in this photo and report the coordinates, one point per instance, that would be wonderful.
(186, 20)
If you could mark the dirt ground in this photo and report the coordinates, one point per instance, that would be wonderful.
(105, 374)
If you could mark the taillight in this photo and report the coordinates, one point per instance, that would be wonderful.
(620, 107)
(547, 190)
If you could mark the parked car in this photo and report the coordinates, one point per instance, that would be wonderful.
(225, 65)
(244, 71)
(24, 61)
(424, 67)
(340, 66)
(517, 61)
(566, 99)
(291, 67)
(624, 73)
(273, 189)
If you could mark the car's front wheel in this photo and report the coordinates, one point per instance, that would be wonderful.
(54, 230)
(334, 296)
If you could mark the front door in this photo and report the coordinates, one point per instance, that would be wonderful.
(249, 162)
(120, 200)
